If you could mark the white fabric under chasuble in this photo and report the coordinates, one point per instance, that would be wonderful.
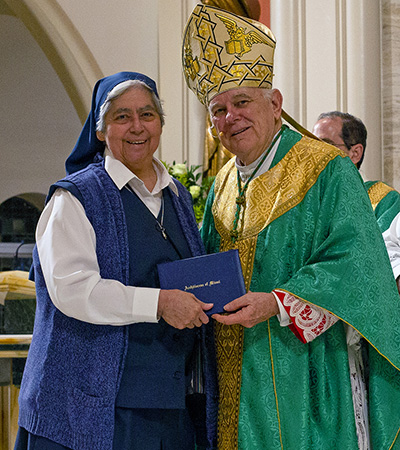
(358, 387)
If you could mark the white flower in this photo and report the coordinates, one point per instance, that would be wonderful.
(179, 169)
(195, 191)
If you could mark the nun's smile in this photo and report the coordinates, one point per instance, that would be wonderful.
(133, 129)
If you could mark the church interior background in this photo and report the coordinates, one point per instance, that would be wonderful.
(330, 55)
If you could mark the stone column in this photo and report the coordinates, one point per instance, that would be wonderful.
(328, 58)
(391, 90)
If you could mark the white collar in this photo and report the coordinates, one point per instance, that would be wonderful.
(246, 171)
(121, 175)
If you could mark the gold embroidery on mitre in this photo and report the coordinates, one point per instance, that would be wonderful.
(229, 350)
(377, 192)
(191, 66)
(240, 42)
(246, 59)
(273, 193)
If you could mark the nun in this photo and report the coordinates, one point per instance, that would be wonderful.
(108, 367)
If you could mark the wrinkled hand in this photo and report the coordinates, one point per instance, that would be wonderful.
(250, 309)
(181, 309)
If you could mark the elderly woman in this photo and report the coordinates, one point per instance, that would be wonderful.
(108, 364)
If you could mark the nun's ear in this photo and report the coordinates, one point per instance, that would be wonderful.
(100, 136)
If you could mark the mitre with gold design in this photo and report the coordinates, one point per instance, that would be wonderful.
(222, 51)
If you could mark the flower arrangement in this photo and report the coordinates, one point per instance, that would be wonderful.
(197, 185)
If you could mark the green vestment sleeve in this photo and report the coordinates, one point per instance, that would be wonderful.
(319, 240)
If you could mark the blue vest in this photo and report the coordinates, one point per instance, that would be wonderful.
(74, 369)
(154, 371)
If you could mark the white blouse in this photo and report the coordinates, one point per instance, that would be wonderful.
(66, 245)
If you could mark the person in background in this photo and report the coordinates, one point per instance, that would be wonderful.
(347, 132)
(108, 367)
(313, 259)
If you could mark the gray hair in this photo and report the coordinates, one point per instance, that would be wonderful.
(266, 93)
(120, 89)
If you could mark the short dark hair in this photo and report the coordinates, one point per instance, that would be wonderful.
(353, 130)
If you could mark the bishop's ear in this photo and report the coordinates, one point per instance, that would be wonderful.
(277, 100)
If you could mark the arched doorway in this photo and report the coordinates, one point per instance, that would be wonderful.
(45, 89)
(18, 219)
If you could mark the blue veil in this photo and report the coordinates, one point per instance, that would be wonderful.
(87, 145)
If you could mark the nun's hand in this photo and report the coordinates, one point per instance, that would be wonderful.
(181, 309)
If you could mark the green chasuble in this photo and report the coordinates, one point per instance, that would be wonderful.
(308, 228)
(385, 202)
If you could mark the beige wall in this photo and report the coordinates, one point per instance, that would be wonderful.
(38, 120)
(328, 57)
(54, 51)
(121, 35)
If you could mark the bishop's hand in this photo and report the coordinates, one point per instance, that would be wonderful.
(249, 309)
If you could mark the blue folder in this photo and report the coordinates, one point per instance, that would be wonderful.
(216, 278)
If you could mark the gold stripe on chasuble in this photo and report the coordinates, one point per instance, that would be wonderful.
(268, 197)
(377, 192)
(229, 350)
